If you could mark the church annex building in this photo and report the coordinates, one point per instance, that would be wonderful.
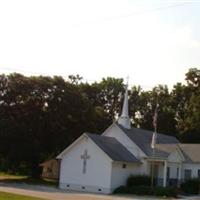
(101, 163)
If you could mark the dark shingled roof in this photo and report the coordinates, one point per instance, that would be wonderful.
(114, 149)
(142, 138)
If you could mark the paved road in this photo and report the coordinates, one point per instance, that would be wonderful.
(56, 194)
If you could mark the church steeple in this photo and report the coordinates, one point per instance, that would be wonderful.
(124, 119)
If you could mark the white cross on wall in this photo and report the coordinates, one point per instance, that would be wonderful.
(85, 157)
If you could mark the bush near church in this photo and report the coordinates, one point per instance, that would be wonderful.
(134, 180)
(191, 186)
(140, 190)
(121, 190)
(140, 185)
(165, 191)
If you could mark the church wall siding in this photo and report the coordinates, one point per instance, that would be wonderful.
(98, 171)
(173, 170)
(144, 168)
(174, 161)
(175, 157)
(120, 174)
(116, 132)
(194, 167)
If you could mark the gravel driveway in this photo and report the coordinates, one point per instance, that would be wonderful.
(51, 193)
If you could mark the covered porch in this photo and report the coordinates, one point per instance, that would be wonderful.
(164, 173)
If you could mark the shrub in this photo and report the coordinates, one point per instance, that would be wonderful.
(191, 186)
(140, 185)
(138, 180)
(165, 191)
(147, 190)
(140, 190)
(121, 190)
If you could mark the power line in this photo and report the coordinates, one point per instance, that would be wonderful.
(142, 12)
(148, 11)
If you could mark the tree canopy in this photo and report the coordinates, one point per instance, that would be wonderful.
(40, 115)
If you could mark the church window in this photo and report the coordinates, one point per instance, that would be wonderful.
(68, 185)
(83, 188)
(99, 190)
(124, 166)
(188, 174)
(177, 172)
(168, 173)
(49, 170)
(198, 173)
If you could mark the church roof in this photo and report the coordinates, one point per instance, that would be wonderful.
(114, 149)
(190, 151)
(142, 138)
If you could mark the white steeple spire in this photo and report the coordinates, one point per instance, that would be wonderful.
(124, 119)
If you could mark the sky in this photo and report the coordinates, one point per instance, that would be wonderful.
(153, 42)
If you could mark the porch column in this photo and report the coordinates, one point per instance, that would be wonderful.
(179, 174)
(165, 174)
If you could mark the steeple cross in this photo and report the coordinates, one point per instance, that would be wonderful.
(85, 157)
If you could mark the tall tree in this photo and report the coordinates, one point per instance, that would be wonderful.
(189, 121)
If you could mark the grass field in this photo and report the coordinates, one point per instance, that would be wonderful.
(8, 196)
(4, 176)
(8, 178)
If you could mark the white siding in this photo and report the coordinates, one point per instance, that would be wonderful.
(144, 168)
(98, 174)
(173, 170)
(175, 157)
(174, 161)
(193, 167)
(116, 132)
(120, 175)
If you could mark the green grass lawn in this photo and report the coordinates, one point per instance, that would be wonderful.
(9, 196)
(8, 178)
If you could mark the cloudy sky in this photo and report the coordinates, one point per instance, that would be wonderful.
(152, 42)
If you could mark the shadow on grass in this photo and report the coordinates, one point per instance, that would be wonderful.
(28, 180)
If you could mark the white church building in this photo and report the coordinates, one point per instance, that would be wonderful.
(101, 163)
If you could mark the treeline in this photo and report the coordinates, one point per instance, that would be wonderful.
(40, 116)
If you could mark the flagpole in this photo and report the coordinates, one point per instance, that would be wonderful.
(153, 144)
(152, 170)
